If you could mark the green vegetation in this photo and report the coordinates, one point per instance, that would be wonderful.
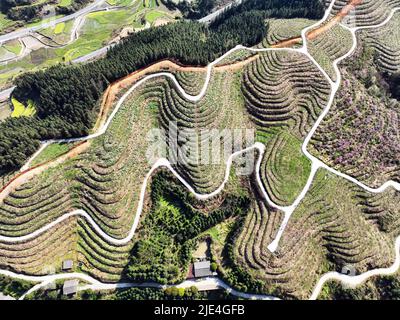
(13, 46)
(19, 109)
(367, 146)
(284, 169)
(64, 3)
(283, 29)
(50, 294)
(73, 116)
(59, 28)
(51, 152)
(281, 120)
(163, 252)
(334, 226)
(171, 293)
(13, 288)
(378, 288)
(281, 94)
(322, 50)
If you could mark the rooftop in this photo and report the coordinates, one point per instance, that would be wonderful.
(202, 269)
(67, 264)
(70, 287)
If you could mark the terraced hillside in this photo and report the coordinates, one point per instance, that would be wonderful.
(174, 224)
(382, 210)
(366, 147)
(120, 218)
(284, 94)
(191, 82)
(284, 90)
(328, 231)
(366, 12)
(104, 181)
(213, 114)
(385, 42)
(284, 169)
(283, 29)
(43, 254)
(333, 44)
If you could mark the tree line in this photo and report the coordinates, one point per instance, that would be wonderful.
(25, 10)
(192, 9)
(281, 9)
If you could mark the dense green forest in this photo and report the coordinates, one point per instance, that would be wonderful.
(66, 96)
(21, 9)
(13, 287)
(193, 9)
(394, 84)
(277, 8)
(310, 9)
(167, 235)
(6, 5)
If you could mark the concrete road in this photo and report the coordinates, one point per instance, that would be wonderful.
(5, 94)
(215, 14)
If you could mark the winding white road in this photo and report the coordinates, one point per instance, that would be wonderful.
(315, 165)
(6, 93)
(213, 15)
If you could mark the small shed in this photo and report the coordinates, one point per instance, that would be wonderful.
(202, 269)
(67, 265)
(70, 287)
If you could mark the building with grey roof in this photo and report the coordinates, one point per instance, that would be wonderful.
(202, 269)
(67, 265)
(70, 287)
